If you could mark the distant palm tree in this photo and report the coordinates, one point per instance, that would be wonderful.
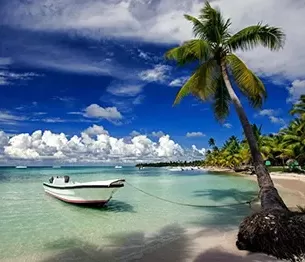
(213, 51)
(299, 108)
(211, 142)
(294, 139)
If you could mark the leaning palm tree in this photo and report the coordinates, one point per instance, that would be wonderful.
(218, 66)
(274, 230)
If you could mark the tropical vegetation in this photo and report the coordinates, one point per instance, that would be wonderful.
(172, 163)
(278, 149)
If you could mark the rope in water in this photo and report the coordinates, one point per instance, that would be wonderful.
(194, 205)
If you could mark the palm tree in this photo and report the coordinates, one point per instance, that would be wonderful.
(211, 142)
(213, 52)
(299, 108)
(294, 139)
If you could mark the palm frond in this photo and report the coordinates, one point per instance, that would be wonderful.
(222, 100)
(198, 27)
(190, 51)
(299, 107)
(200, 83)
(215, 27)
(252, 36)
(247, 81)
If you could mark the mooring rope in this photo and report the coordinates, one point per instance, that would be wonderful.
(193, 205)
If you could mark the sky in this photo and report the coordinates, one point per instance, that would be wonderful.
(86, 81)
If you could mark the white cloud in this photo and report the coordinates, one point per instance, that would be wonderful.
(86, 148)
(163, 21)
(277, 120)
(178, 81)
(272, 115)
(157, 133)
(108, 113)
(199, 151)
(296, 89)
(138, 100)
(194, 134)
(95, 130)
(125, 89)
(8, 117)
(134, 133)
(7, 77)
(143, 55)
(227, 125)
(267, 112)
(157, 74)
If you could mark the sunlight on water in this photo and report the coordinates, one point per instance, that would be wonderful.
(33, 222)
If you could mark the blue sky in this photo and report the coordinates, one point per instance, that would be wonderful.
(105, 67)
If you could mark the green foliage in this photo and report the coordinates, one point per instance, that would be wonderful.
(289, 143)
(214, 46)
(171, 163)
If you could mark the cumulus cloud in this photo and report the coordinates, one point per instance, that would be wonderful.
(194, 134)
(157, 133)
(93, 145)
(157, 74)
(200, 152)
(296, 89)
(95, 130)
(134, 133)
(108, 113)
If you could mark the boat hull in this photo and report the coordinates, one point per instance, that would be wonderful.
(82, 196)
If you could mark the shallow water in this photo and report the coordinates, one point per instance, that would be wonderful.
(33, 222)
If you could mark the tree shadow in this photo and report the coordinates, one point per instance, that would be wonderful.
(235, 194)
(220, 255)
(229, 215)
(172, 243)
(169, 244)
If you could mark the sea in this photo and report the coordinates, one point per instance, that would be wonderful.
(36, 227)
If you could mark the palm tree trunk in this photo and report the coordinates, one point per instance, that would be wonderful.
(268, 193)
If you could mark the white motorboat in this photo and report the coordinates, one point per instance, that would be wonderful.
(176, 169)
(94, 193)
(118, 167)
(21, 167)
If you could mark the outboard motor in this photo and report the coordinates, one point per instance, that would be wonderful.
(51, 179)
(67, 178)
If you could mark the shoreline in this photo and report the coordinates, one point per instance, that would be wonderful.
(291, 186)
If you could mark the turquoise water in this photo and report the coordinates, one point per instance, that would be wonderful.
(32, 222)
